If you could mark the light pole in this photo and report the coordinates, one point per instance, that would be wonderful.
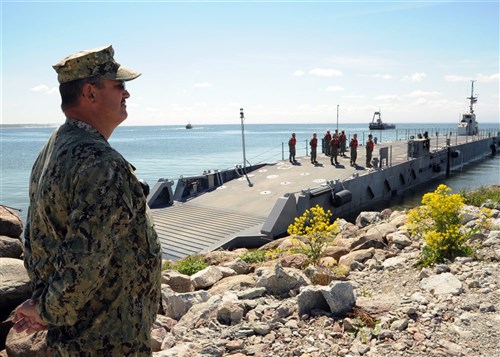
(242, 117)
(337, 118)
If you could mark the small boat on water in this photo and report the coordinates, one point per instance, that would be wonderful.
(189, 126)
(378, 124)
(468, 125)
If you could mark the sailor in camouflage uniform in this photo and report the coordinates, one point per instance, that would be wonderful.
(91, 250)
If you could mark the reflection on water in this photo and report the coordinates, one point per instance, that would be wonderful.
(483, 173)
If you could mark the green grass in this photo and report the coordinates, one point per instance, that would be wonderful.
(189, 265)
(479, 196)
(256, 256)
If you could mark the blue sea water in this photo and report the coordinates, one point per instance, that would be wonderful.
(173, 151)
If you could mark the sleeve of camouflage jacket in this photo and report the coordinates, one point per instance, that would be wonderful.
(29, 261)
(101, 207)
(29, 264)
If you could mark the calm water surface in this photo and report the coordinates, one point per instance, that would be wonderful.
(172, 151)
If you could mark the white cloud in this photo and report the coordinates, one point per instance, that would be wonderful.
(335, 89)
(420, 93)
(353, 96)
(453, 78)
(298, 73)
(325, 72)
(415, 77)
(44, 89)
(152, 110)
(491, 78)
(382, 76)
(303, 107)
(479, 77)
(202, 85)
(320, 108)
(420, 101)
(388, 98)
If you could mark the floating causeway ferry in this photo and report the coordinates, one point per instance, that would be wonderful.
(249, 206)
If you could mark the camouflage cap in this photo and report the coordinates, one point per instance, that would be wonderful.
(96, 62)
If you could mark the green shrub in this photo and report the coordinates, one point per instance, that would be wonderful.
(481, 195)
(437, 222)
(189, 265)
(326, 274)
(315, 230)
(256, 256)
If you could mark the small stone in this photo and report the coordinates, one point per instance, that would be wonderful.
(424, 273)
(442, 284)
(441, 268)
(474, 284)
(348, 324)
(410, 311)
(463, 260)
(235, 345)
(452, 348)
(417, 336)
(465, 318)
(399, 325)
(419, 298)
(385, 334)
(293, 324)
(487, 307)
(399, 346)
(261, 328)
(362, 349)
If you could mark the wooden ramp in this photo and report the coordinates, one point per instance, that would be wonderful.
(186, 228)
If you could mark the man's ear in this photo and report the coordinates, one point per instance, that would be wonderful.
(88, 92)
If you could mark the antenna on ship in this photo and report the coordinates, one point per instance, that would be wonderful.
(472, 98)
(242, 117)
(337, 118)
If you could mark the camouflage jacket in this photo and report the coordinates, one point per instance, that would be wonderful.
(90, 247)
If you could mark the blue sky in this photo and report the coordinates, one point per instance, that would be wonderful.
(282, 61)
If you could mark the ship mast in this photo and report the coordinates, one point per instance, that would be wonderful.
(472, 98)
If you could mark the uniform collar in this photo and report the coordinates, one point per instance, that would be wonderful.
(84, 126)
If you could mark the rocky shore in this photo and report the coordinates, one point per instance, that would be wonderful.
(375, 302)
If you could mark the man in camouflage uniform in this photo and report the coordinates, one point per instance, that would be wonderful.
(91, 250)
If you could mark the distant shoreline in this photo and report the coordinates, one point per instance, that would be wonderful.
(15, 126)
(55, 125)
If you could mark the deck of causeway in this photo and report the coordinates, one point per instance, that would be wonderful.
(238, 208)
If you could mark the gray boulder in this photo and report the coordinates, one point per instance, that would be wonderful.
(232, 283)
(206, 277)
(10, 223)
(238, 265)
(197, 314)
(281, 281)
(177, 305)
(442, 284)
(337, 298)
(366, 218)
(357, 255)
(10, 247)
(178, 282)
(382, 229)
(14, 284)
(23, 345)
